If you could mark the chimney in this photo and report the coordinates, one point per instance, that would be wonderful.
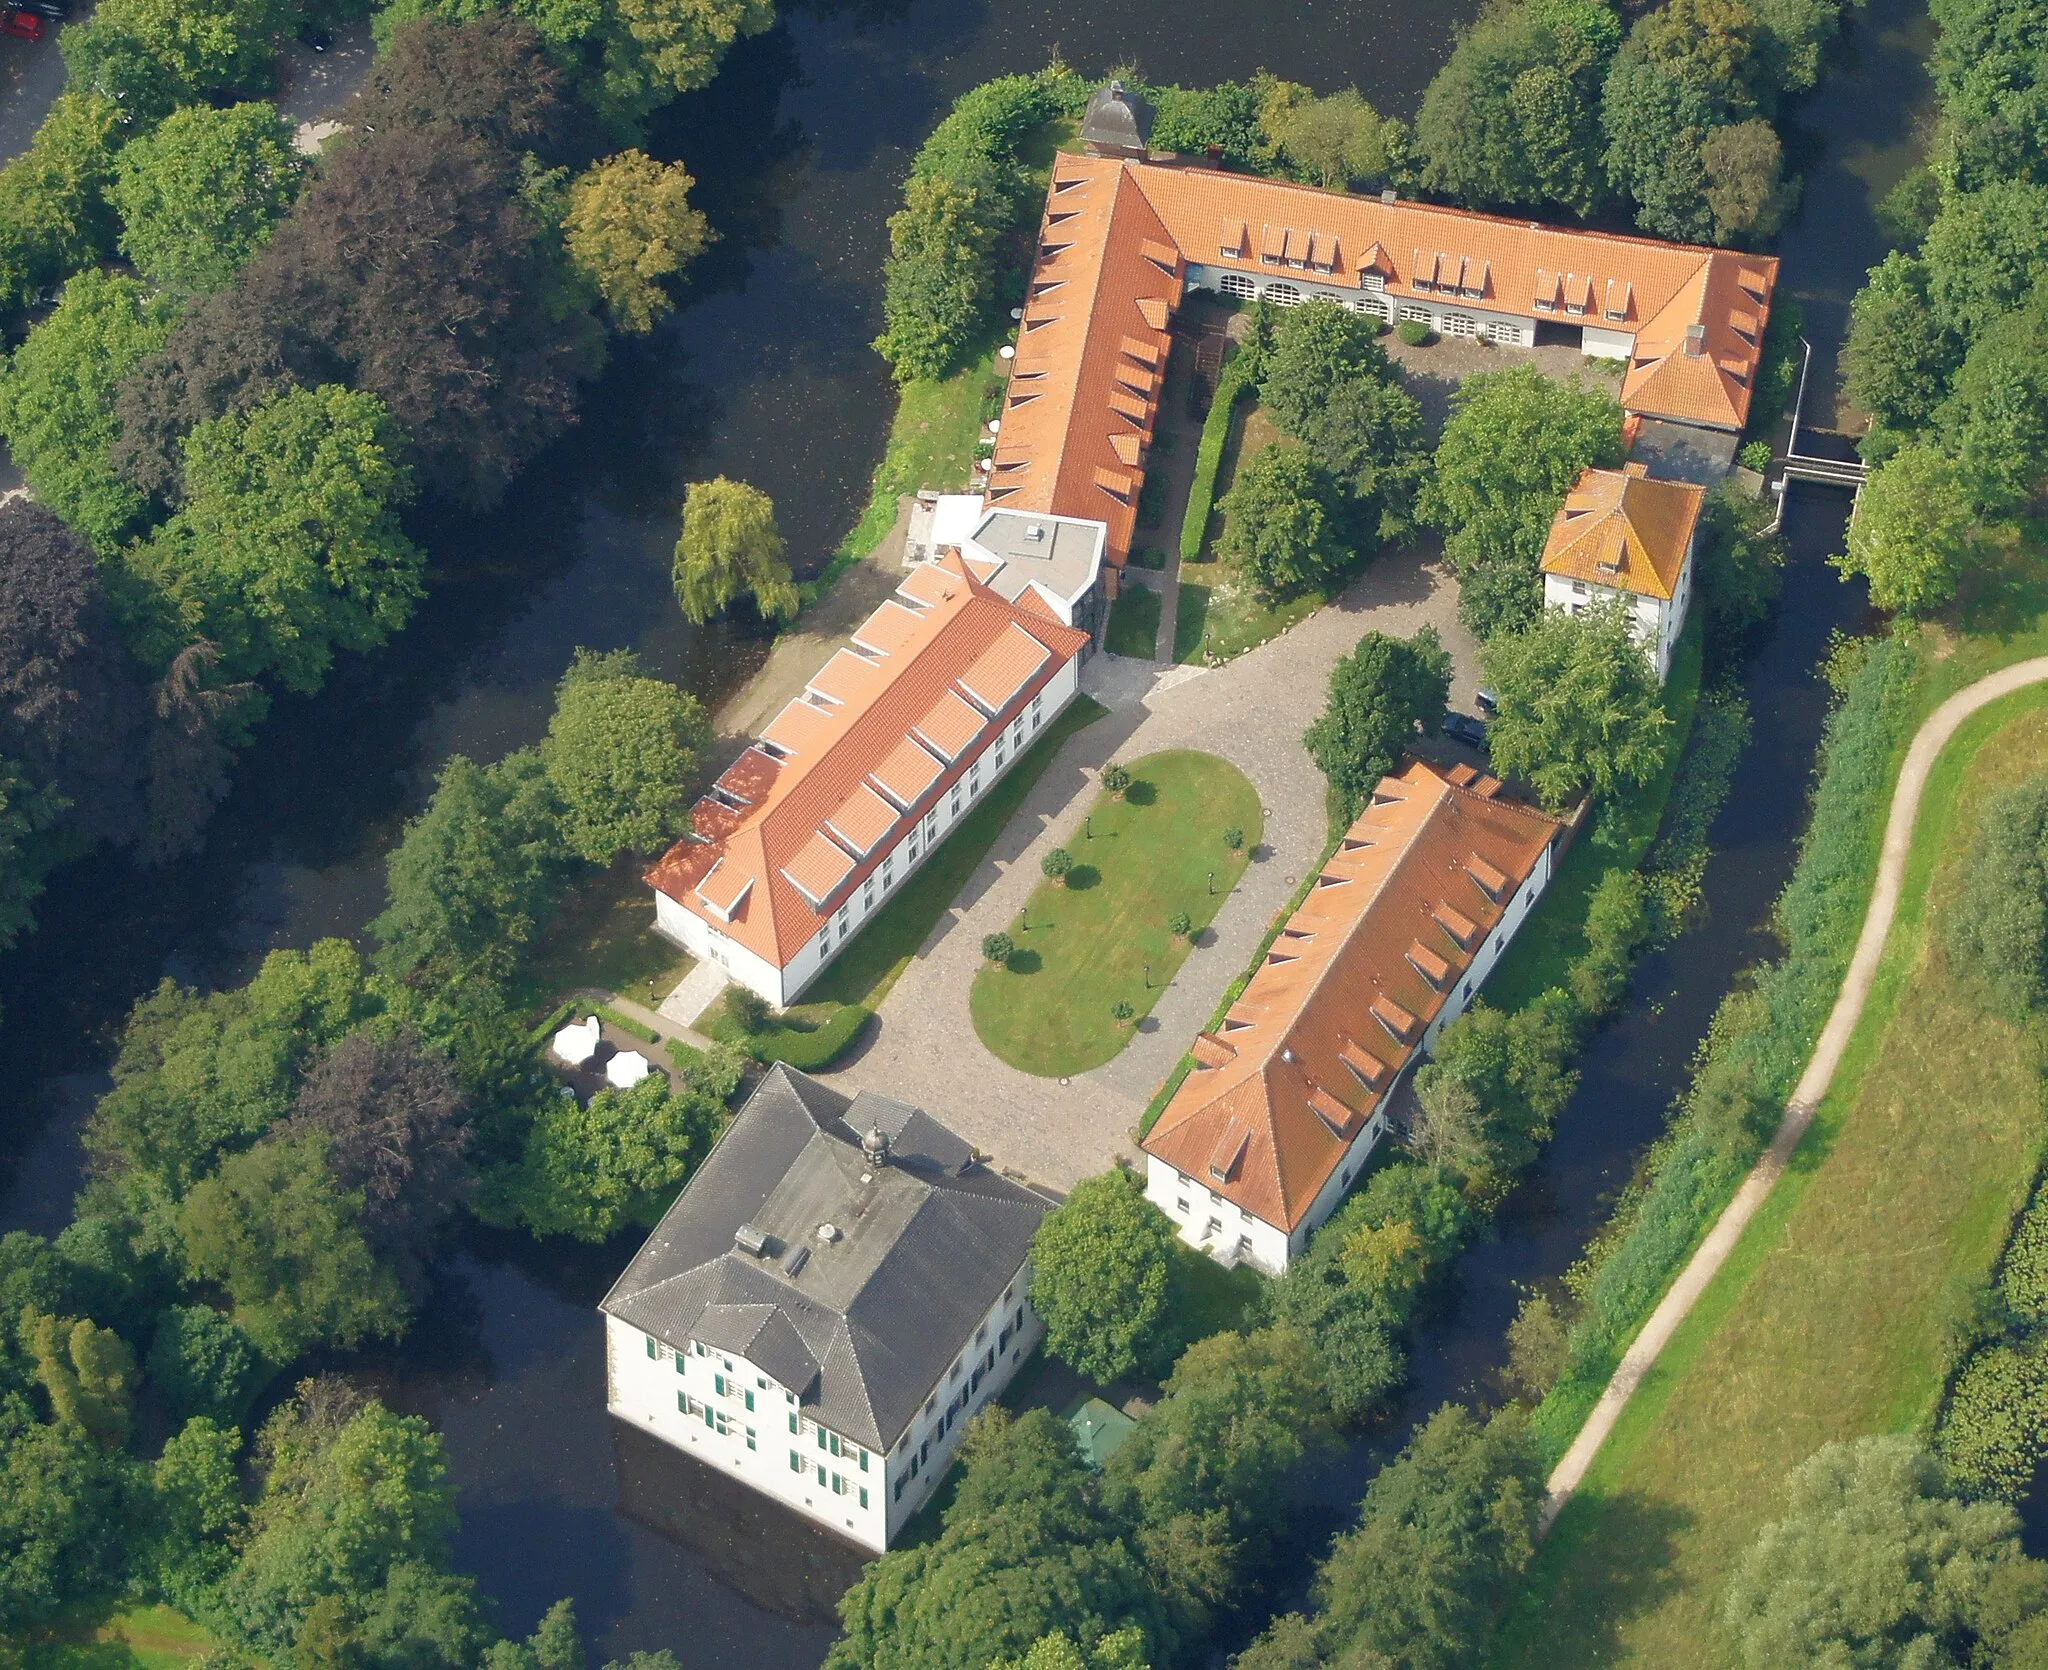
(1387, 196)
(1695, 341)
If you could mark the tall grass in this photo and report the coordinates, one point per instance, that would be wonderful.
(1758, 1044)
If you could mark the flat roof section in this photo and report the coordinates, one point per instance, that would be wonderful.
(1062, 554)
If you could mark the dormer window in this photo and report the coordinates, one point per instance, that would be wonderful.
(1372, 283)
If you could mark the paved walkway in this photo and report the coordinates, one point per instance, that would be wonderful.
(1813, 1084)
(924, 1049)
(656, 1022)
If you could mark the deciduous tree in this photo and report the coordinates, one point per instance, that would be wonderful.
(88, 1371)
(272, 1228)
(1283, 520)
(202, 192)
(149, 56)
(1100, 1276)
(1985, 251)
(1911, 532)
(1515, 443)
(1333, 141)
(57, 397)
(938, 285)
(730, 548)
(289, 547)
(1747, 192)
(1877, 1561)
(629, 226)
(1580, 707)
(590, 1171)
(54, 214)
(1998, 415)
(1901, 351)
(203, 1366)
(475, 876)
(621, 753)
(64, 1517)
(1998, 926)
(1380, 695)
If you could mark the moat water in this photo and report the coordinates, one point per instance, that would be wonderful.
(799, 149)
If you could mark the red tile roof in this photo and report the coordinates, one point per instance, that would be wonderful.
(798, 820)
(1113, 253)
(1625, 529)
(1312, 1048)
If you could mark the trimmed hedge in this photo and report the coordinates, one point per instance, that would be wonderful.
(1757, 1046)
(811, 1051)
(1233, 382)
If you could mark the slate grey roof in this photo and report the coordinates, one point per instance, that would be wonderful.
(1117, 121)
(861, 1326)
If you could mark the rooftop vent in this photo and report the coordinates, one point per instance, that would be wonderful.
(1035, 531)
(751, 1240)
(1695, 340)
(1387, 196)
(794, 1261)
(828, 1233)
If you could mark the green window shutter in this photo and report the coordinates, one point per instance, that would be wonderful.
(682, 1404)
(863, 1460)
(863, 1495)
(679, 1362)
(796, 1462)
(718, 1384)
(653, 1348)
(792, 1420)
(710, 1418)
(821, 1438)
(750, 1400)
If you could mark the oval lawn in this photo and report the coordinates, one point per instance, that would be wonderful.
(1083, 945)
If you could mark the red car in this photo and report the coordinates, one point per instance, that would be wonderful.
(26, 25)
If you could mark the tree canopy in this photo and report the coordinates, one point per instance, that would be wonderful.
(1333, 141)
(201, 193)
(1875, 1561)
(56, 400)
(1998, 926)
(288, 546)
(1283, 521)
(1380, 695)
(1101, 1268)
(54, 215)
(1901, 350)
(150, 56)
(1515, 443)
(1514, 116)
(730, 548)
(1911, 531)
(629, 226)
(621, 753)
(1580, 706)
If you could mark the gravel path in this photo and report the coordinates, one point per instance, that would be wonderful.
(924, 1050)
(1813, 1084)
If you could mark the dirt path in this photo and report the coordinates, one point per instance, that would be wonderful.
(1927, 745)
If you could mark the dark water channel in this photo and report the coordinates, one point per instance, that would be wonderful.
(799, 149)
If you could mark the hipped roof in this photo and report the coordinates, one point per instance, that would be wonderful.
(1307, 1055)
(1621, 528)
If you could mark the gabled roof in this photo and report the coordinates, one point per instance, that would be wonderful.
(1118, 237)
(879, 732)
(1306, 1056)
(1624, 529)
(865, 1324)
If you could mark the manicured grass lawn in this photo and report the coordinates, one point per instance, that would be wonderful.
(1133, 623)
(1619, 837)
(104, 1638)
(882, 950)
(1083, 947)
(1832, 1318)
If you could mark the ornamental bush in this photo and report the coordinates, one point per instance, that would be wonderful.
(1413, 332)
(1116, 778)
(1181, 925)
(1057, 864)
(997, 948)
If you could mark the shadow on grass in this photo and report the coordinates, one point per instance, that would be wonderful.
(1082, 877)
(1619, 1552)
(1024, 962)
(1141, 793)
(2003, 590)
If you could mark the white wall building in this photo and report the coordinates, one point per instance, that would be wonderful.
(845, 794)
(839, 1289)
(1289, 1096)
(1625, 536)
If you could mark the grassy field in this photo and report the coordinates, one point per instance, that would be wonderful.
(881, 951)
(1084, 946)
(1834, 1315)
(1620, 838)
(604, 936)
(109, 1638)
(1133, 623)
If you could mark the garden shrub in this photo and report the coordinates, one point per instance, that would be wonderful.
(1413, 332)
(1998, 927)
(815, 1050)
(1230, 387)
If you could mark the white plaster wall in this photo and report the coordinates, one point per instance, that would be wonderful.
(1166, 1188)
(1387, 305)
(1654, 623)
(703, 939)
(1599, 343)
(997, 1347)
(644, 1390)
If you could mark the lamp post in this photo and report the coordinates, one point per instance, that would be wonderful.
(1212, 884)
(1088, 826)
(1148, 977)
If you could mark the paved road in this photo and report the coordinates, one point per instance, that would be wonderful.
(31, 77)
(924, 1049)
(1813, 1084)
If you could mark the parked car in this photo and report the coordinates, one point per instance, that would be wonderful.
(55, 10)
(1488, 702)
(22, 25)
(1462, 727)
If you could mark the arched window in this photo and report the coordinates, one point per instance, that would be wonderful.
(1460, 324)
(1241, 285)
(1283, 295)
